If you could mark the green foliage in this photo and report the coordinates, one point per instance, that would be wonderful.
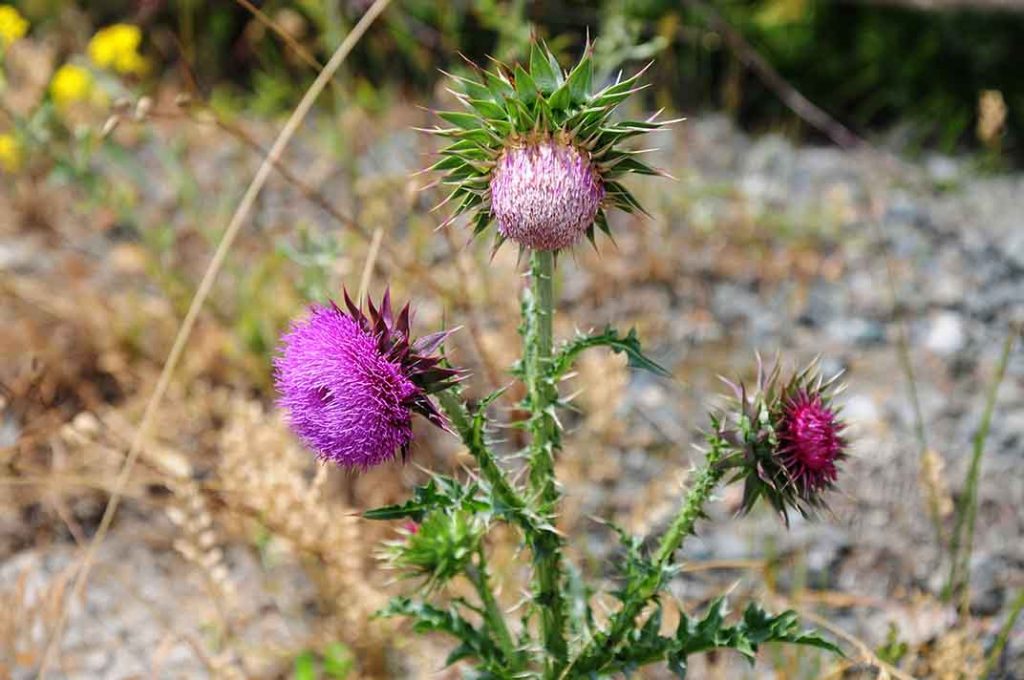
(336, 662)
(894, 649)
(440, 493)
(473, 642)
(870, 65)
(610, 337)
(439, 548)
(645, 644)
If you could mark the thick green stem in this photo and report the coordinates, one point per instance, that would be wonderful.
(602, 648)
(493, 614)
(539, 382)
(542, 395)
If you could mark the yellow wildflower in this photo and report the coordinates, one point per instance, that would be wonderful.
(70, 84)
(10, 153)
(117, 47)
(12, 25)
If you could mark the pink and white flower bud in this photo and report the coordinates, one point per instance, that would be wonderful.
(545, 195)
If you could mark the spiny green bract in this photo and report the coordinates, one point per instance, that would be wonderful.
(786, 437)
(438, 549)
(537, 109)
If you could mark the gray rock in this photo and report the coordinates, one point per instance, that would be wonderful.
(946, 334)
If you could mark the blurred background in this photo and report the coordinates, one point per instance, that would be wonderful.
(848, 184)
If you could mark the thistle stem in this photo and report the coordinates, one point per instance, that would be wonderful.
(692, 509)
(538, 312)
(602, 648)
(493, 614)
(473, 438)
(542, 392)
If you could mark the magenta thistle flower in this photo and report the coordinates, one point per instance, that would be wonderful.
(545, 195)
(350, 382)
(788, 439)
(810, 441)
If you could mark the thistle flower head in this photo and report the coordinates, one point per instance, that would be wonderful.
(438, 549)
(545, 195)
(350, 381)
(810, 440)
(535, 150)
(787, 437)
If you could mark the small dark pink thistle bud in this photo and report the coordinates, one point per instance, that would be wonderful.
(786, 437)
(350, 382)
(810, 442)
(545, 195)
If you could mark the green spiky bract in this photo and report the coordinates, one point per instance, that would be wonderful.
(512, 107)
(753, 426)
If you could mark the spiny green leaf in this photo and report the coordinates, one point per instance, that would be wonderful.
(488, 109)
(440, 492)
(429, 619)
(560, 100)
(610, 337)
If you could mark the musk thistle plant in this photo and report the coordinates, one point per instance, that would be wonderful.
(537, 152)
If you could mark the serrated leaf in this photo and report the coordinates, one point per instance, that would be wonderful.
(439, 493)
(610, 337)
(430, 619)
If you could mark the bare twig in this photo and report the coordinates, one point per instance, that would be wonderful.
(803, 107)
(205, 285)
(371, 260)
(299, 50)
(473, 321)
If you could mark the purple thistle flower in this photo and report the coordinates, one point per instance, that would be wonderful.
(351, 381)
(810, 442)
(545, 195)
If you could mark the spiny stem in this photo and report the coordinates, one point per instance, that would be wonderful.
(602, 648)
(538, 310)
(489, 468)
(492, 612)
(542, 392)
(692, 508)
